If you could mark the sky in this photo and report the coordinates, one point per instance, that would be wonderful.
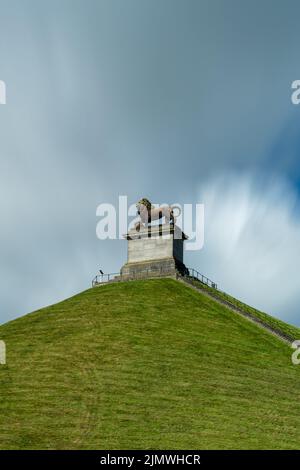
(179, 101)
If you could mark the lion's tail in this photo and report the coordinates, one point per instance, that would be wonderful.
(178, 208)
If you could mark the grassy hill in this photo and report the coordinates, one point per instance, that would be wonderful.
(145, 364)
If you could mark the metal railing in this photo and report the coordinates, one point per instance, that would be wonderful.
(103, 278)
(194, 274)
(189, 273)
(139, 274)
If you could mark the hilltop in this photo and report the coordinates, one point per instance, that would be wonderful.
(146, 364)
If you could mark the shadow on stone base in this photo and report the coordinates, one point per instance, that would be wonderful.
(153, 268)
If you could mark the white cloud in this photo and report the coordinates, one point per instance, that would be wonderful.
(252, 240)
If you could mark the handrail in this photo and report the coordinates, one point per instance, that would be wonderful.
(189, 273)
(103, 278)
(193, 273)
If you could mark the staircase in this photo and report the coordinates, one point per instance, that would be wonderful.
(234, 305)
(197, 281)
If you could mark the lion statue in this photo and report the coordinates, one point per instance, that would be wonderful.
(148, 213)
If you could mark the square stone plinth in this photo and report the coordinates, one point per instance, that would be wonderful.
(154, 250)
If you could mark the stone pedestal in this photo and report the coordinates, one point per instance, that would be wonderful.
(154, 251)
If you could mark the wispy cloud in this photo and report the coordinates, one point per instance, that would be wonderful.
(252, 240)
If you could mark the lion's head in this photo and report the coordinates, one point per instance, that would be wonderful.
(144, 202)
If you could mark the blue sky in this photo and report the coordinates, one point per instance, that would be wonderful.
(177, 101)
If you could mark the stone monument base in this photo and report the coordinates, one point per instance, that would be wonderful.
(152, 268)
(154, 251)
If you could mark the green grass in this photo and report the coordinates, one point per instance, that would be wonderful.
(145, 364)
(280, 325)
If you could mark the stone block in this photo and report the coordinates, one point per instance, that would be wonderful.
(154, 251)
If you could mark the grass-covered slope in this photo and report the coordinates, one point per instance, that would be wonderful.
(290, 330)
(145, 364)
